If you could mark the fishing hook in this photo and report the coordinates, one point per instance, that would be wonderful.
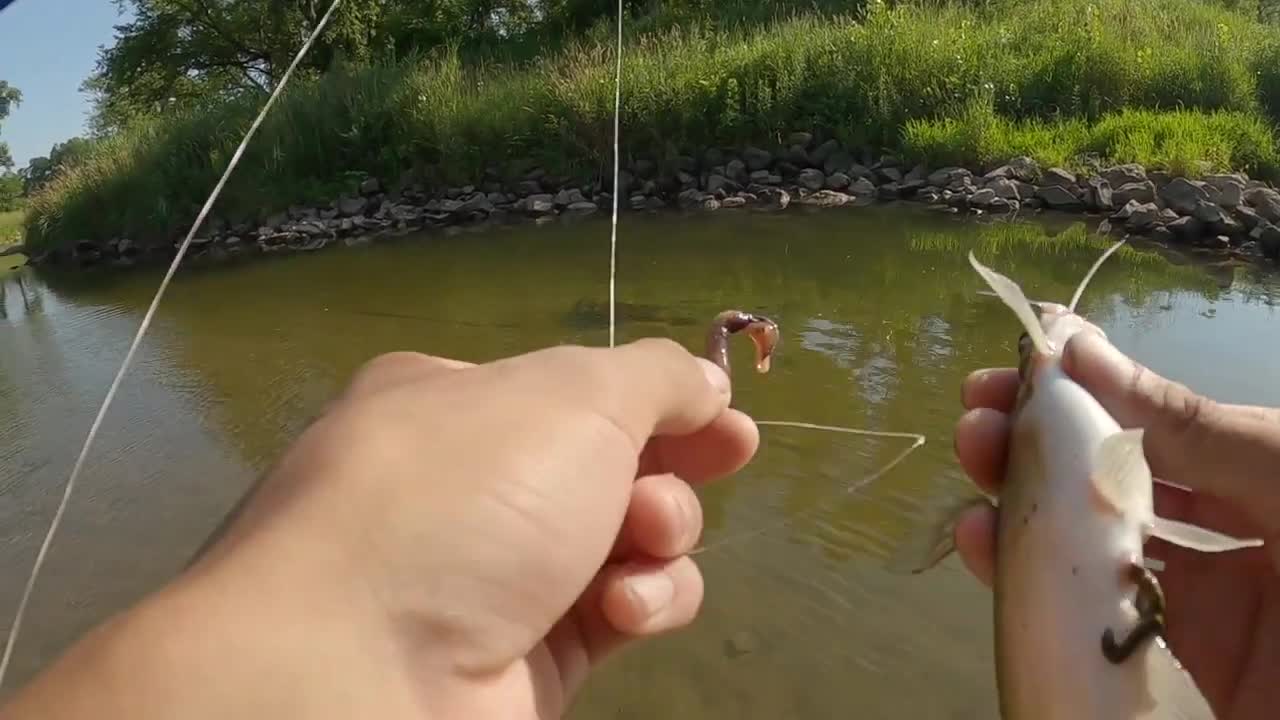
(1150, 604)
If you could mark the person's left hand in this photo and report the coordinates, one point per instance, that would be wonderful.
(449, 541)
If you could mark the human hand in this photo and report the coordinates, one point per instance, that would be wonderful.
(446, 540)
(1223, 609)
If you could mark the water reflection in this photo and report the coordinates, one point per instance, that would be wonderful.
(881, 319)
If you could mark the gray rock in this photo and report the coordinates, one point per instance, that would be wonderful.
(1230, 227)
(349, 206)
(1167, 215)
(1057, 177)
(1207, 212)
(638, 202)
(1125, 174)
(1162, 234)
(910, 187)
(1183, 196)
(1186, 228)
(565, 198)
(713, 158)
(800, 138)
(691, 197)
(655, 203)
(796, 155)
(1057, 196)
(889, 191)
(890, 174)
(733, 202)
(773, 198)
(1004, 188)
(539, 206)
(918, 173)
(811, 179)
(686, 180)
(582, 208)
(947, 175)
(1003, 205)
(719, 183)
(1229, 194)
(1248, 217)
(1265, 201)
(759, 176)
(962, 184)
(862, 187)
(929, 195)
(757, 159)
(1098, 194)
(1142, 192)
(1025, 169)
(820, 154)
(838, 162)
(983, 198)
(737, 171)
(1268, 238)
(837, 181)
(825, 198)
(861, 171)
(478, 202)
(370, 186)
(528, 187)
(1142, 216)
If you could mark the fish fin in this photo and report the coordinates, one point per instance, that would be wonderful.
(1121, 469)
(1173, 693)
(1195, 537)
(1093, 270)
(934, 539)
(1012, 295)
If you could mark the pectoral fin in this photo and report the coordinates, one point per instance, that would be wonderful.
(1172, 693)
(1198, 538)
(934, 539)
(1012, 295)
(1120, 472)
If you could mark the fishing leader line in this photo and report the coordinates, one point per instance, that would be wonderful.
(137, 340)
(613, 232)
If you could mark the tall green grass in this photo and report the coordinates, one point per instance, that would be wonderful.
(11, 228)
(1177, 83)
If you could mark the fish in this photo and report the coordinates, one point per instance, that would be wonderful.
(1078, 610)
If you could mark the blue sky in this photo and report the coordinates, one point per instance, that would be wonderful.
(47, 48)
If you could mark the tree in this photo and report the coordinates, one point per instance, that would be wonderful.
(42, 170)
(10, 97)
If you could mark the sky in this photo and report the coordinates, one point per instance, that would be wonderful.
(47, 48)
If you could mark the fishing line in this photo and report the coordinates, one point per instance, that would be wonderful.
(1089, 275)
(613, 232)
(137, 340)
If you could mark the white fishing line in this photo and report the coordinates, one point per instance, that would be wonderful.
(1089, 275)
(613, 232)
(137, 340)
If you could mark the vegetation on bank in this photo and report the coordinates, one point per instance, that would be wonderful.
(1186, 85)
(11, 228)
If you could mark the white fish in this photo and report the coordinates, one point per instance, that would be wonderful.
(1076, 509)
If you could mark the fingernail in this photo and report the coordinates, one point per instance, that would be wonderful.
(652, 592)
(717, 377)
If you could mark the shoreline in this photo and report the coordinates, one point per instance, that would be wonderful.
(1229, 214)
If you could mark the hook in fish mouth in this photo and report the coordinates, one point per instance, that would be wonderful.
(763, 332)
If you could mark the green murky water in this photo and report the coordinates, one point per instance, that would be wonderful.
(881, 320)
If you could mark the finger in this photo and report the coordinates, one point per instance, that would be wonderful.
(647, 598)
(397, 368)
(981, 446)
(995, 388)
(1189, 439)
(719, 449)
(663, 520)
(975, 538)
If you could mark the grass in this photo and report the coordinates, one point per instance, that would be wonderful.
(1179, 84)
(11, 228)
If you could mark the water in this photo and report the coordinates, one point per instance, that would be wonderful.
(881, 320)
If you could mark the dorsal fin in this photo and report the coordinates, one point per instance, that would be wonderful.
(1012, 295)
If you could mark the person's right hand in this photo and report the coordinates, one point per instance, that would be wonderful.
(1224, 608)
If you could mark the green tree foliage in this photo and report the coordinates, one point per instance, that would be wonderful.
(10, 97)
(41, 170)
(10, 191)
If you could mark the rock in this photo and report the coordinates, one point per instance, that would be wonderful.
(655, 203)
(1162, 234)
(733, 202)
(801, 139)
(837, 181)
(686, 180)
(786, 169)
(919, 173)
(540, 205)
(757, 159)
(983, 198)
(888, 161)
(1098, 194)
(861, 171)
(1207, 212)
(838, 162)
(1159, 177)
(797, 156)
(890, 174)
(1230, 227)
(1265, 201)
(638, 202)
(690, 197)
(1004, 188)
(528, 187)
(888, 191)
(1057, 177)
(862, 187)
(1268, 238)
(1248, 217)
(712, 158)
(773, 198)
(1126, 174)
(346, 225)
(825, 198)
(1186, 228)
(929, 195)
(582, 208)
(1025, 169)
(811, 179)
(1142, 216)
(370, 186)
(719, 183)
(1057, 196)
(565, 198)
(959, 201)
(275, 221)
(759, 176)
(478, 202)
(1142, 192)
(962, 184)
(1183, 196)
(820, 154)
(1003, 205)
(1167, 215)
(907, 188)
(736, 170)
(947, 175)
(644, 168)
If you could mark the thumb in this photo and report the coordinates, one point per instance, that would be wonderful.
(1229, 451)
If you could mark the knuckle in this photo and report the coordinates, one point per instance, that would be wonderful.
(1188, 412)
